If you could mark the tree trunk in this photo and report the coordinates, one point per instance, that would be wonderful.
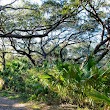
(31, 59)
(3, 61)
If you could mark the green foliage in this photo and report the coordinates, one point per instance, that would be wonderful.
(62, 82)
(98, 96)
(1, 83)
(76, 2)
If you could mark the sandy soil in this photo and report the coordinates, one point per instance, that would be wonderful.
(7, 104)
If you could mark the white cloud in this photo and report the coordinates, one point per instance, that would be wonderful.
(4, 2)
(35, 1)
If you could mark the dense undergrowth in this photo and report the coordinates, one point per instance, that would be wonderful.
(59, 82)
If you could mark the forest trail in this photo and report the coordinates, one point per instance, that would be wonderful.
(7, 104)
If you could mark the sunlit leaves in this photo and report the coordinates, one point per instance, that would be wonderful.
(75, 2)
(98, 96)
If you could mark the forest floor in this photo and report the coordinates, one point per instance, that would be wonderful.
(10, 101)
(9, 104)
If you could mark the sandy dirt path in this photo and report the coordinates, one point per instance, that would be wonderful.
(7, 104)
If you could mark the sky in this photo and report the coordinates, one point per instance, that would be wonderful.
(4, 2)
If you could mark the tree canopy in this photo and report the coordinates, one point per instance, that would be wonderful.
(81, 26)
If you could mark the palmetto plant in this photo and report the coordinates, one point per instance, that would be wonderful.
(62, 82)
